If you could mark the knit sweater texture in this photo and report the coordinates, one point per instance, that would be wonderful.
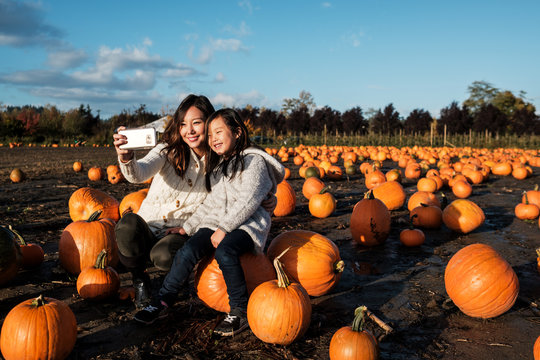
(236, 203)
(171, 200)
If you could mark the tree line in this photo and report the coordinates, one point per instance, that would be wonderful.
(487, 109)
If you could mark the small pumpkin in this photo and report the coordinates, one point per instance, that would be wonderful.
(41, 328)
(132, 202)
(526, 211)
(210, 284)
(426, 184)
(412, 236)
(353, 342)
(279, 311)
(374, 178)
(95, 173)
(17, 175)
(83, 240)
(286, 199)
(312, 186)
(533, 196)
(422, 197)
(536, 349)
(334, 172)
(393, 175)
(32, 254)
(323, 204)
(427, 216)
(463, 216)
(115, 177)
(98, 282)
(313, 260)
(413, 171)
(313, 171)
(77, 166)
(480, 282)
(462, 189)
(86, 201)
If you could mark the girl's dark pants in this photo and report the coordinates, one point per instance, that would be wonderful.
(137, 245)
(227, 256)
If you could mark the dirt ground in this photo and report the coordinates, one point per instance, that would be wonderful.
(402, 286)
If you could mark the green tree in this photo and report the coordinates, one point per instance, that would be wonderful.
(480, 93)
(305, 99)
(387, 121)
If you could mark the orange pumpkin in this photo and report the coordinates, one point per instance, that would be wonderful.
(86, 201)
(374, 179)
(313, 260)
(41, 328)
(536, 349)
(426, 184)
(391, 193)
(83, 240)
(77, 166)
(312, 186)
(95, 173)
(413, 171)
(427, 216)
(412, 236)
(132, 202)
(98, 282)
(462, 189)
(115, 177)
(279, 311)
(480, 282)
(323, 204)
(463, 216)
(17, 175)
(32, 254)
(533, 196)
(526, 211)
(393, 175)
(370, 221)
(502, 168)
(334, 172)
(286, 199)
(353, 342)
(210, 284)
(422, 197)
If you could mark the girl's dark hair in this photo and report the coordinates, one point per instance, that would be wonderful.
(214, 162)
(176, 149)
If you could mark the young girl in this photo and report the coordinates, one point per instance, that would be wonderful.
(230, 221)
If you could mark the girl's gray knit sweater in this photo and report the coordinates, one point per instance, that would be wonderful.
(236, 203)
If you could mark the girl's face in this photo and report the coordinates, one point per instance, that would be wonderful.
(220, 138)
(192, 130)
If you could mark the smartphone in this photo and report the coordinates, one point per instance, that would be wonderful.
(138, 139)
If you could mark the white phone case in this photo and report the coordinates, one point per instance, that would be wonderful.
(139, 138)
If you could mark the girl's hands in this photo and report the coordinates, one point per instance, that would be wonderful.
(176, 230)
(124, 154)
(217, 237)
(269, 203)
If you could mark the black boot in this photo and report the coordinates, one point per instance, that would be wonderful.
(142, 285)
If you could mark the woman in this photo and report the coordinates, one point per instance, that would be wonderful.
(176, 165)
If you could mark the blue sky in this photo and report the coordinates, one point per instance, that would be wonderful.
(116, 55)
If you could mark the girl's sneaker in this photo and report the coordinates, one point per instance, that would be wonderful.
(234, 323)
(156, 310)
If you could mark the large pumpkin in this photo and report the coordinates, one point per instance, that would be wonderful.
(353, 342)
(132, 202)
(391, 193)
(10, 255)
(86, 201)
(370, 221)
(82, 241)
(279, 311)
(210, 284)
(286, 199)
(313, 260)
(42, 328)
(480, 282)
(463, 216)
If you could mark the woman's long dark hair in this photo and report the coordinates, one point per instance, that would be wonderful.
(176, 149)
(213, 161)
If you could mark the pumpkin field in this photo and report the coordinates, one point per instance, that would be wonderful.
(427, 239)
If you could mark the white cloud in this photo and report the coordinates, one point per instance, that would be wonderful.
(219, 77)
(239, 100)
(22, 24)
(326, 5)
(191, 37)
(354, 38)
(147, 41)
(65, 59)
(246, 4)
(242, 30)
(207, 51)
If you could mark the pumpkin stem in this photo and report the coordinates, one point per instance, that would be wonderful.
(283, 280)
(325, 189)
(339, 266)
(18, 235)
(369, 195)
(538, 252)
(39, 301)
(411, 221)
(101, 261)
(94, 216)
(526, 198)
(359, 319)
(536, 187)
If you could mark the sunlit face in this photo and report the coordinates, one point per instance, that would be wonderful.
(192, 130)
(220, 138)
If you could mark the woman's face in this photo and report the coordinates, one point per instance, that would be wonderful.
(220, 138)
(192, 130)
